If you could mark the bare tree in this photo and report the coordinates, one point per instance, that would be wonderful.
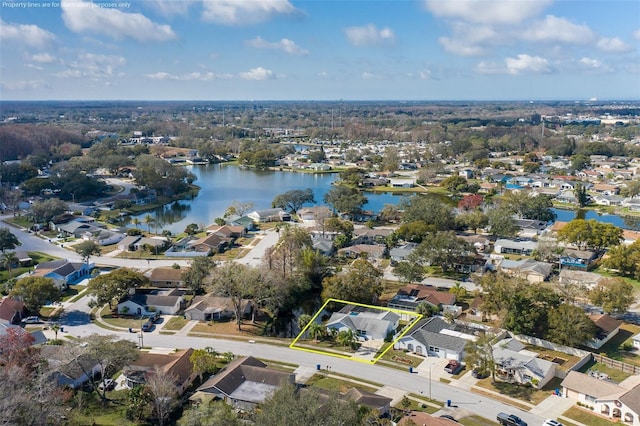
(164, 394)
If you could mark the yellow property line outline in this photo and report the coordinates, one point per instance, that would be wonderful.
(408, 327)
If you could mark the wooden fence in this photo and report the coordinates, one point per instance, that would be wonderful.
(618, 365)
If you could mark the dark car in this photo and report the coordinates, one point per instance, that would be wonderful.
(479, 374)
(510, 420)
(453, 367)
(446, 416)
(147, 326)
(156, 318)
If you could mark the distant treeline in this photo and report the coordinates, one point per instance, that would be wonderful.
(19, 140)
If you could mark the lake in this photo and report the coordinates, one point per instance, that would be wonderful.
(221, 185)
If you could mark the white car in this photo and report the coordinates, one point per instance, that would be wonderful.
(551, 422)
(31, 320)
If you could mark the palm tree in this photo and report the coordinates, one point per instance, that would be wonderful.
(458, 290)
(9, 260)
(148, 220)
(55, 328)
(316, 331)
(346, 338)
(303, 320)
(136, 222)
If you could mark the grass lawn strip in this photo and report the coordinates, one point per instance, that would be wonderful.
(175, 323)
(494, 395)
(586, 417)
(335, 383)
(476, 421)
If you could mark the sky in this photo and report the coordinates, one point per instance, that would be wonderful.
(320, 50)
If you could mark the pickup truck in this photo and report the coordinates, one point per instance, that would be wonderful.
(453, 367)
(510, 420)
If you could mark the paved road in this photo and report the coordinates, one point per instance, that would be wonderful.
(76, 323)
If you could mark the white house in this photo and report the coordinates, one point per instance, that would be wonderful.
(145, 302)
(606, 328)
(435, 337)
(522, 248)
(515, 364)
(618, 402)
(367, 324)
(63, 272)
(636, 341)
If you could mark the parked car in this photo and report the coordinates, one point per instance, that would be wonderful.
(446, 416)
(479, 374)
(31, 320)
(107, 384)
(510, 420)
(155, 318)
(453, 367)
(147, 326)
(551, 422)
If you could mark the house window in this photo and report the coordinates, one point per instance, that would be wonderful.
(362, 332)
(527, 377)
(589, 398)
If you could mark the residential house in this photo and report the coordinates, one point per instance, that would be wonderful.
(636, 341)
(22, 259)
(409, 297)
(244, 383)
(315, 213)
(38, 337)
(400, 254)
(362, 250)
(516, 365)
(487, 187)
(63, 272)
(176, 365)
(323, 243)
(227, 231)
(608, 200)
(618, 402)
(245, 221)
(209, 244)
(154, 243)
(519, 247)
(605, 189)
(477, 312)
(366, 323)
(212, 308)
(376, 403)
(128, 243)
(632, 203)
(577, 259)
(402, 183)
(580, 279)
(607, 327)
(167, 276)
(370, 235)
(435, 337)
(567, 196)
(479, 242)
(12, 311)
(531, 228)
(147, 302)
(69, 373)
(532, 270)
(269, 215)
(103, 237)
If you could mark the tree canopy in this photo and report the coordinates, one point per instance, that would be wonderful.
(86, 249)
(114, 285)
(590, 234)
(429, 210)
(569, 325)
(613, 294)
(294, 199)
(345, 199)
(8, 241)
(361, 283)
(36, 292)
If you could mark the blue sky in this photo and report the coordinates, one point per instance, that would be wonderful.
(319, 50)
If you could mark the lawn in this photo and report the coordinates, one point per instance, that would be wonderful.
(587, 418)
(337, 385)
(601, 271)
(49, 313)
(123, 321)
(523, 393)
(476, 421)
(403, 359)
(615, 375)
(89, 411)
(229, 328)
(612, 347)
(175, 323)
(419, 406)
(564, 360)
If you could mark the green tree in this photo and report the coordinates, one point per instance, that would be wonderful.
(345, 200)
(9, 260)
(458, 290)
(136, 222)
(361, 283)
(235, 281)
(473, 220)
(199, 271)
(138, 402)
(44, 211)
(303, 321)
(580, 162)
(36, 292)
(430, 210)
(203, 362)
(569, 325)
(590, 234)
(86, 249)
(409, 271)
(217, 413)
(149, 220)
(286, 407)
(414, 231)
(479, 354)
(581, 194)
(164, 392)
(613, 294)
(501, 222)
(114, 285)
(8, 241)
(444, 249)
(293, 199)
(427, 309)
(316, 331)
(191, 229)
(455, 184)
(346, 338)
(624, 259)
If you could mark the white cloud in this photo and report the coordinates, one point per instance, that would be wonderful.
(258, 73)
(369, 35)
(524, 63)
(593, 65)
(559, 29)
(93, 66)
(85, 16)
(193, 76)
(370, 76)
(460, 46)
(285, 45)
(28, 35)
(488, 67)
(636, 34)
(239, 12)
(323, 74)
(34, 67)
(486, 12)
(425, 75)
(42, 58)
(612, 45)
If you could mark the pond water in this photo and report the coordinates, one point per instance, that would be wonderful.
(221, 185)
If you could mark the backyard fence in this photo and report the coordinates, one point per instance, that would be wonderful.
(618, 365)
